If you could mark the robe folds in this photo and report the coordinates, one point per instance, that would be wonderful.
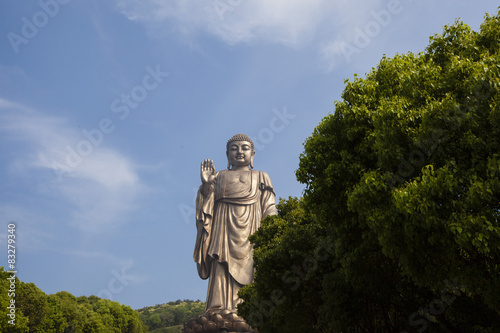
(231, 212)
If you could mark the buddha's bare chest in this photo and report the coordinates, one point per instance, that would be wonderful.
(235, 177)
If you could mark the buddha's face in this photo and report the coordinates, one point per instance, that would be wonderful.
(239, 153)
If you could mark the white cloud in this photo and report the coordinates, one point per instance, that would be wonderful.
(295, 23)
(234, 21)
(101, 185)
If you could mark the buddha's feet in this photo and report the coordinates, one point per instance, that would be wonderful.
(214, 321)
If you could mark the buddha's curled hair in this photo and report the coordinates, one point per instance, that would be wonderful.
(240, 137)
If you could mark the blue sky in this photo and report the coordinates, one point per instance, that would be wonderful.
(108, 108)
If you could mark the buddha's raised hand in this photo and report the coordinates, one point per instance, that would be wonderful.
(207, 171)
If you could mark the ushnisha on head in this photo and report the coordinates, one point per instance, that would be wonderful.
(240, 152)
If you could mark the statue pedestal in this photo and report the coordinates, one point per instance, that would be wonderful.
(217, 321)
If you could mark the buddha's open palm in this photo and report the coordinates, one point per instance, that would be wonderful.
(207, 171)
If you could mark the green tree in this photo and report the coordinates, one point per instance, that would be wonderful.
(54, 321)
(72, 312)
(32, 302)
(63, 312)
(154, 321)
(167, 317)
(288, 264)
(403, 181)
(8, 294)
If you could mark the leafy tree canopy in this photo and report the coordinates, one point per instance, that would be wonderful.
(403, 185)
(166, 318)
(62, 312)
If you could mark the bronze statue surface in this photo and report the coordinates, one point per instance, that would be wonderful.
(229, 207)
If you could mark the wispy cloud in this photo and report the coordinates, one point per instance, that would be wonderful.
(101, 189)
(108, 259)
(35, 234)
(295, 23)
(122, 267)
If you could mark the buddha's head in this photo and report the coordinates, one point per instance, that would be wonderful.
(240, 151)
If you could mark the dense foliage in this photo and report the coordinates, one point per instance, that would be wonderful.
(62, 312)
(399, 227)
(167, 318)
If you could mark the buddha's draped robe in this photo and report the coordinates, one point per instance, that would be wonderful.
(225, 218)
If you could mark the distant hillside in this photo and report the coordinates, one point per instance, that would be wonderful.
(169, 317)
(31, 310)
(25, 308)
